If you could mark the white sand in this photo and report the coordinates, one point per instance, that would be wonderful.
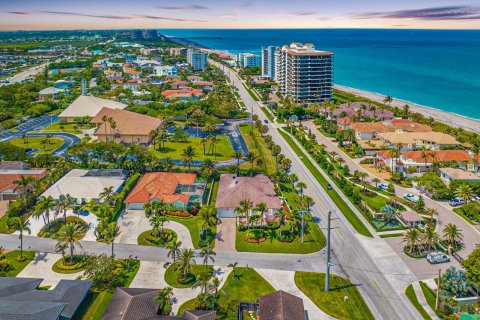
(451, 119)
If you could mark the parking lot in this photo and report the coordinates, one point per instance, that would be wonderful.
(30, 125)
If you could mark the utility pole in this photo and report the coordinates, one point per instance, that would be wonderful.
(438, 289)
(327, 272)
(303, 224)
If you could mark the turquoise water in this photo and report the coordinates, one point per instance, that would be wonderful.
(435, 68)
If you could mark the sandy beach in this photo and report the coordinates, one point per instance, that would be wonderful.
(451, 119)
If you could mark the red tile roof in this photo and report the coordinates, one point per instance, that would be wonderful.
(7, 180)
(440, 155)
(161, 186)
(385, 154)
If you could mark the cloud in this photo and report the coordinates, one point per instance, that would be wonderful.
(435, 13)
(245, 4)
(303, 13)
(105, 16)
(228, 14)
(189, 7)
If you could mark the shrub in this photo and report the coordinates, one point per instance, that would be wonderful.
(287, 236)
(181, 214)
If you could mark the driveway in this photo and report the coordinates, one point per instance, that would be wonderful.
(225, 235)
(152, 275)
(41, 267)
(133, 222)
(285, 280)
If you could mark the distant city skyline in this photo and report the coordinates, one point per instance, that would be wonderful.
(109, 14)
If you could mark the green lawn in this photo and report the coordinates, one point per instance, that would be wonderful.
(96, 302)
(35, 143)
(338, 199)
(56, 227)
(12, 257)
(459, 211)
(431, 297)
(213, 199)
(257, 144)
(172, 275)
(193, 226)
(73, 128)
(312, 284)
(314, 241)
(248, 286)
(391, 235)
(174, 150)
(376, 203)
(267, 113)
(410, 293)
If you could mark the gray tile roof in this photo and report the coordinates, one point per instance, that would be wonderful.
(281, 305)
(68, 293)
(9, 286)
(19, 310)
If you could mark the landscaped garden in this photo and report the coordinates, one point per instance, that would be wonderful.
(56, 230)
(73, 128)
(13, 262)
(312, 284)
(200, 238)
(41, 144)
(68, 265)
(157, 239)
(257, 145)
(242, 284)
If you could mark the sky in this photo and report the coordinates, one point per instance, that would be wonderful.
(177, 14)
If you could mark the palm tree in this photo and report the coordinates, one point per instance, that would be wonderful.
(214, 141)
(251, 157)
(464, 191)
(106, 193)
(174, 250)
(43, 207)
(168, 164)
(279, 215)
(301, 186)
(452, 234)
(276, 150)
(431, 212)
(113, 126)
(64, 203)
(208, 167)
(110, 233)
(187, 156)
(153, 137)
(430, 237)
(207, 254)
(376, 181)
(70, 233)
(412, 236)
(104, 121)
(261, 207)
(246, 205)
(203, 142)
(163, 298)
(233, 266)
(21, 224)
(238, 155)
(25, 185)
(207, 217)
(185, 258)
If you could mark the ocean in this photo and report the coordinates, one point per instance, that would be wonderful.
(434, 68)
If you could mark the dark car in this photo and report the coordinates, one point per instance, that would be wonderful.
(266, 121)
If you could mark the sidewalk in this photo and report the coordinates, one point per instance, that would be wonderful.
(421, 299)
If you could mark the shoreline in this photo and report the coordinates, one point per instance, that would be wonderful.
(449, 118)
(446, 117)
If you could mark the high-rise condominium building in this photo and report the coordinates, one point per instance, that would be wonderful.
(303, 73)
(197, 59)
(247, 60)
(268, 62)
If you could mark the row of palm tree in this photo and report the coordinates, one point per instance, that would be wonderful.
(429, 238)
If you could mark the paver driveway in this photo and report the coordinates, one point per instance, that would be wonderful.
(225, 235)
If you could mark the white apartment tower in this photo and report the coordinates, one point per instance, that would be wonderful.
(268, 62)
(197, 59)
(303, 73)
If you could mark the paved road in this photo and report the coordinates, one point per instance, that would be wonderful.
(370, 263)
(471, 234)
(31, 125)
(68, 141)
(27, 73)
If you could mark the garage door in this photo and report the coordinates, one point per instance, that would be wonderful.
(135, 206)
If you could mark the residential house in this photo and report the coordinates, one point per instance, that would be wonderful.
(142, 64)
(232, 189)
(279, 305)
(134, 74)
(89, 106)
(113, 75)
(165, 71)
(364, 110)
(178, 84)
(51, 92)
(417, 140)
(10, 173)
(184, 94)
(205, 85)
(86, 185)
(130, 127)
(410, 219)
(139, 304)
(370, 130)
(194, 79)
(452, 174)
(176, 189)
(344, 123)
(21, 298)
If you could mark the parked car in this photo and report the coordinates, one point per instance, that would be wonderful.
(410, 197)
(382, 186)
(266, 121)
(455, 202)
(437, 257)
